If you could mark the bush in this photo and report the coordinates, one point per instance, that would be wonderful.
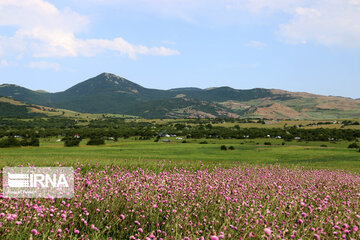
(184, 141)
(203, 142)
(9, 142)
(283, 143)
(223, 147)
(231, 148)
(323, 145)
(30, 142)
(353, 145)
(267, 143)
(72, 142)
(96, 141)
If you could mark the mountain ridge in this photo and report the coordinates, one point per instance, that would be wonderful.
(109, 93)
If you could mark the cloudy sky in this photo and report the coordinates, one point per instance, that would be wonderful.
(296, 45)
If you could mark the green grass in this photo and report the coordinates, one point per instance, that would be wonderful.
(132, 153)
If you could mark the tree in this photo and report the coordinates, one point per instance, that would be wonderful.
(96, 141)
(353, 145)
(72, 142)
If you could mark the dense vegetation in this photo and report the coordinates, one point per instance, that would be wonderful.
(14, 111)
(11, 141)
(196, 129)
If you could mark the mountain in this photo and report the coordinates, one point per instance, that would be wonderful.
(108, 93)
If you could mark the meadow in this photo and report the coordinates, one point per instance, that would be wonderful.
(141, 189)
(147, 154)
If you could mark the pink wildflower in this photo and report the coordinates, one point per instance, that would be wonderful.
(268, 231)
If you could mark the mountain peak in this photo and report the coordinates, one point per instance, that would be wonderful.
(105, 83)
(110, 77)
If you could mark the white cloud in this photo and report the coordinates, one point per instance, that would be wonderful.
(256, 44)
(45, 31)
(43, 65)
(4, 63)
(326, 22)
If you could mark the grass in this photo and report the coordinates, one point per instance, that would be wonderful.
(131, 153)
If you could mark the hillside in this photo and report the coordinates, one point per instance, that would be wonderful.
(16, 109)
(108, 93)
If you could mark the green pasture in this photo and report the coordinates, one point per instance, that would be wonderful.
(132, 153)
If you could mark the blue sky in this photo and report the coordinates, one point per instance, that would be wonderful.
(298, 45)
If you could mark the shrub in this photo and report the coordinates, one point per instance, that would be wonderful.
(184, 141)
(283, 143)
(267, 143)
(323, 145)
(353, 145)
(203, 142)
(223, 147)
(71, 142)
(231, 148)
(9, 142)
(30, 142)
(96, 141)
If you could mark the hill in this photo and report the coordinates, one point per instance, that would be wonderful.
(108, 93)
(15, 109)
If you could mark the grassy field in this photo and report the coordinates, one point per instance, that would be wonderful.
(131, 153)
(191, 191)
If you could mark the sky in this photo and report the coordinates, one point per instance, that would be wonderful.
(296, 45)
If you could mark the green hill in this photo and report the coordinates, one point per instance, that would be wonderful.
(14, 109)
(108, 93)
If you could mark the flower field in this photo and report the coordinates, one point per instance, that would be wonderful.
(241, 202)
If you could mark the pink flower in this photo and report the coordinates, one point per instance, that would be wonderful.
(140, 230)
(355, 228)
(268, 231)
(76, 231)
(214, 238)
(122, 216)
(34, 232)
